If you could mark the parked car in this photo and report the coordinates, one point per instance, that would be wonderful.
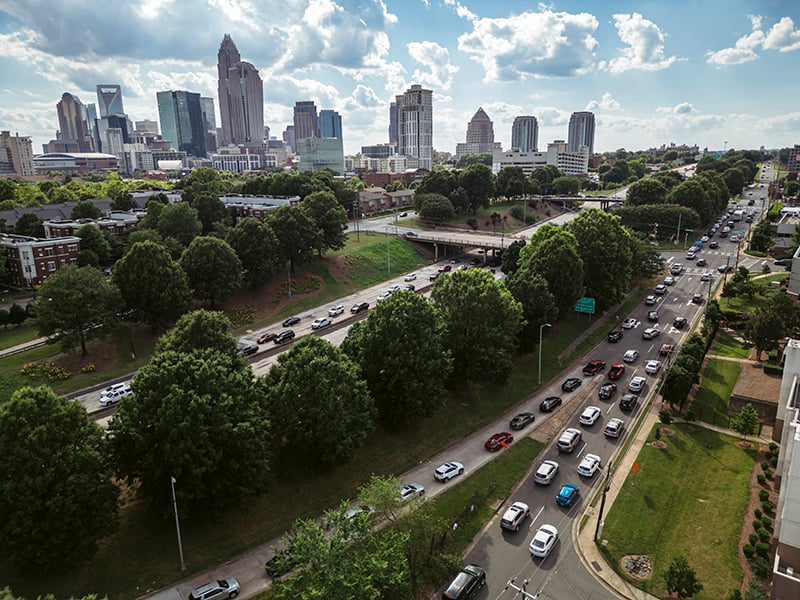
(521, 420)
(636, 384)
(543, 541)
(630, 355)
(290, 321)
(571, 384)
(214, 590)
(466, 584)
(652, 367)
(616, 371)
(593, 367)
(568, 494)
(629, 323)
(267, 337)
(590, 415)
(447, 471)
(359, 307)
(607, 391)
(321, 323)
(549, 403)
(615, 336)
(628, 402)
(514, 516)
(613, 428)
(650, 333)
(589, 465)
(284, 336)
(546, 472)
(498, 440)
(334, 311)
(411, 490)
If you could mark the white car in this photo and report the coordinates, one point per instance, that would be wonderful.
(543, 541)
(336, 310)
(589, 465)
(637, 384)
(650, 333)
(669, 280)
(546, 472)
(393, 288)
(321, 323)
(590, 415)
(629, 323)
(115, 393)
(652, 367)
(630, 355)
(384, 296)
(514, 516)
(705, 276)
(410, 277)
(447, 471)
(412, 490)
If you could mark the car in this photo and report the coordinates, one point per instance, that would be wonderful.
(546, 472)
(433, 276)
(676, 269)
(445, 269)
(594, 367)
(455, 261)
(474, 261)
(543, 541)
(650, 333)
(247, 347)
(660, 289)
(571, 384)
(724, 233)
(630, 355)
(589, 465)
(521, 420)
(734, 238)
(652, 316)
(466, 584)
(410, 491)
(725, 269)
(514, 516)
(652, 367)
(726, 229)
(713, 244)
(361, 509)
(463, 267)
(607, 391)
(613, 428)
(410, 234)
(629, 323)
(115, 393)
(410, 277)
(701, 262)
(666, 349)
(287, 335)
(615, 336)
(321, 323)
(628, 402)
(679, 322)
(334, 311)
(403, 214)
(410, 287)
(383, 296)
(290, 321)
(650, 300)
(568, 494)
(569, 439)
(704, 238)
(590, 415)
(395, 287)
(782, 262)
(616, 371)
(669, 280)
(359, 307)
(691, 256)
(447, 471)
(697, 298)
(636, 384)
(498, 440)
(221, 588)
(548, 404)
(706, 276)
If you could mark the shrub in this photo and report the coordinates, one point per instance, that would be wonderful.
(773, 447)
(762, 549)
(757, 513)
(763, 495)
(762, 479)
(768, 473)
(767, 522)
(665, 416)
(766, 506)
(763, 535)
(770, 369)
(748, 550)
(764, 465)
(472, 222)
(757, 524)
(753, 539)
(761, 567)
(774, 461)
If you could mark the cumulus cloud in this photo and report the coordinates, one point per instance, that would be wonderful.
(551, 116)
(440, 70)
(645, 51)
(607, 102)
(782, 37)
(531, 44)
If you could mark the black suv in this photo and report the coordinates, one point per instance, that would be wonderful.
(466, 584)
(628, 402)
(548, 404)
(359, 307)
(615, 336)
(291, 321)
(571, 384)
(284, 336)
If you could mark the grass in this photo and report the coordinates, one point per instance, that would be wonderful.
(16, 335)
(727, 345)
(710, 404)
(701, 473)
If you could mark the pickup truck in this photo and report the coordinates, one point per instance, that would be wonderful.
(594, 366)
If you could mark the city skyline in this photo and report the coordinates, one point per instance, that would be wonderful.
(653, 73)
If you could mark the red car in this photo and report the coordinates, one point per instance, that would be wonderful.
(498, 440)
(267, 337)
(445, 269)
(594, 366)
(616, 371)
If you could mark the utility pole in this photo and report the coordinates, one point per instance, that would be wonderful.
(522, 590)
(678, 236)
(172, 481)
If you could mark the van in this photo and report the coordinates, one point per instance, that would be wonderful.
(569, 440)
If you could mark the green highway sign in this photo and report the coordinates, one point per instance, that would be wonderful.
(585, 305)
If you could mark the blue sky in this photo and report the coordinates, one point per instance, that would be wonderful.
(716, 73)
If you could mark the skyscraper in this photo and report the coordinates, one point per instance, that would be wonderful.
(72, 122)
(109, 99)
(480, 135)
(581, 132)
(525, 134)
(393, 123)
(415, 125)
(305, 120)
(182, 122)
(209, 122)
(329, 124)
(241, 98)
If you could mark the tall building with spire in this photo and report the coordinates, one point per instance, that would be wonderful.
(415, 124)
(109, 99)
(581, 132)
(480, 135)
(525, 134)
(241, 98)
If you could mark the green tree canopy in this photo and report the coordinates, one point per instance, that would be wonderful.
(180, 221)
(478, 181)
(745, 421)
(211, 211)
(31, 225)
(213, 270)
(85, 210)
(440, 181)
(538, 304)
(202, 330)
(296, 234)
(511, 182)
(692, 194)
(257, 248)
(542, 178)
(330, 219)
(434, 207)
(57, 497)
(646, 191)
(566, 185)
(92, 238)
(681, 579)
(510, 256)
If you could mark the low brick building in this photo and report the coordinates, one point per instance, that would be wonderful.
(29, 260)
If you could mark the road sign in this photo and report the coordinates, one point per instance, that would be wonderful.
(585, 305)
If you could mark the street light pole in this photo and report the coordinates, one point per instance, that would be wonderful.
(541, 327)
(172, 481)
(388, 253)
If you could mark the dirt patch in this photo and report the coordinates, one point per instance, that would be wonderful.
(658, 444)
(744, 445)
(638, 566)
(668, 431)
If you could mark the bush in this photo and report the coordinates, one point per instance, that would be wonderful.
(771, 369)
(773, 447)
(764, 465)
(774, 461)
(768, 473)
(757, 524)
(748, 550)
(753, 539)
(762, 549)
(766, 506)
(472, 222)
(757, 513)
(665, 416)
(767, 522)
(761, 567)
(762, 479)
(763, 535)
(763, 495)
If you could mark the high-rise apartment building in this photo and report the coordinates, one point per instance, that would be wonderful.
(480, 135)
(415, 125)
(209, 122)
(109, 99)
(525, 134)
(16, 155)
(72, 122)
(306, 124)
(182, 121)
(241, 98)
(581, 132)
(393, 123)
(289, 138)
(329, 124)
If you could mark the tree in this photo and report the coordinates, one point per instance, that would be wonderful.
(179, 221)
(511, 182)
(538, 304)
(17, 314)
(382, 493)
(199, 330)
(85, 210)
(213, 270)
(79, 304)
(764, 330)
(154, 287)
(761, 238)
(57, 497)
(566, 185)
(330, 219)
(646, 191)
(441, 182)
(8, 189)
(211, 211)
(296, 234)
(122, 200)
(199, 417)
(434, 207)
(478, 181)
(92, 238)
(257, 248)
(478, 312)
(30, 225)
(681, 579)
(745, 421)
(734, 179)
(677, 384)
(510, 256)
(646, 260)
(406, 386)
(543, 177)
(319, 403)
(692, 194)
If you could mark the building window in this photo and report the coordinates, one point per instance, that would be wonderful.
(72, 248)
(48, 252)
(51, 265)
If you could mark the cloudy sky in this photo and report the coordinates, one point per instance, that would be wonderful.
(717, 73)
